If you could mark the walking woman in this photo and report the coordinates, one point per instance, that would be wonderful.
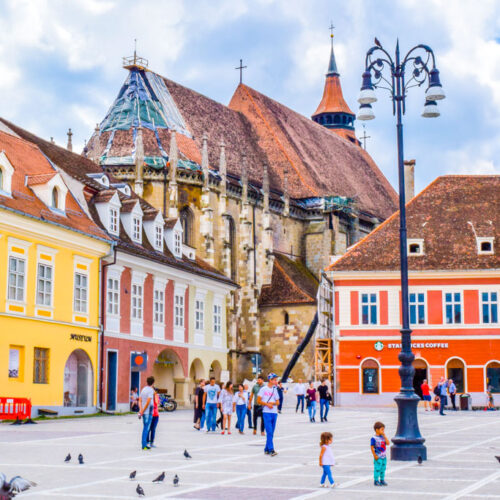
(226, 406)
(199, 412)
(240, 403)
(311, 395)
(154, 420)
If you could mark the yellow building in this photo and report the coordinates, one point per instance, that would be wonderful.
(50, 253)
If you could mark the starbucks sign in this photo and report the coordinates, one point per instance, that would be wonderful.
(379, 346)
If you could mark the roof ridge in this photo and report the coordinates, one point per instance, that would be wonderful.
(16, 137)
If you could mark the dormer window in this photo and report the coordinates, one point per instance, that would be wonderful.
(415, 247)
(158, 237)
(485, 246)
(136, 229)
(6, 173)
(54, 198)
(50, 189)
(113, 220)
(177, 244)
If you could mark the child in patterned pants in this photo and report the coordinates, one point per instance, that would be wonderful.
(378, 445)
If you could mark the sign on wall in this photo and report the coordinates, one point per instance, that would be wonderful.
(139, 361)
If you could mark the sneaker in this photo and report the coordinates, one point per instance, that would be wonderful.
(325, 420)
(383, 483)
(266, 452)
(254, 432)
(376, 483)
(229, 432)
(273, 453)
(146, 448)
(322, 485)
(333, 485)
(222, 432)
(262, 433)
(152, 445)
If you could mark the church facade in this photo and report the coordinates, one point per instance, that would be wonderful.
(263, 194)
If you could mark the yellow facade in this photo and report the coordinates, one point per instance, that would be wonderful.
(49, 327)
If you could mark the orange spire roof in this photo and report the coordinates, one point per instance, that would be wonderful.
(333, 100)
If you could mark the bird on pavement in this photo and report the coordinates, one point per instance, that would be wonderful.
(160, 478)
(176, 480)
(80, 459)
(419, 460)
(186, 454)
(497, 457)
(140, 491)
(9, 489)
(68, 457)
(132, 474)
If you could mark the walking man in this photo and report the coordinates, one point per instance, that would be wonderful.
(199, 412)
(452, 391)
(210, 399)
(268, 399)
(324, 400)
(300, 392)
(257, 408)
(443, 386)
(146, 402)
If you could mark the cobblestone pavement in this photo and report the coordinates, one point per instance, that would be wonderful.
(461, 448)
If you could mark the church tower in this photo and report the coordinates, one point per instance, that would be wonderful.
(333, 112)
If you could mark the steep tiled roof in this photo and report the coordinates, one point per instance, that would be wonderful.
(447, 216)
(34, 180)
(291, 283)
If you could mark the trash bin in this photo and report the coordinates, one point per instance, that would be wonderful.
(465, 401)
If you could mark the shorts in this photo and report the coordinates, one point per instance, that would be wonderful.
(427, 398)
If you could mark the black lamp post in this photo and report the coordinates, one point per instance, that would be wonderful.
(419, 62)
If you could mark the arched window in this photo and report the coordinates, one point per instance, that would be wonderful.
(232, 248)
(493, 376)
(336, 119)
(370, 377)
(344, 119)
(1, 179)
(455, 369)
(286, 318)
(187, 220)
(328, 119)
(54, 200)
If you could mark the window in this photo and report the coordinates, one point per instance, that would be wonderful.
(136, 301)
(113, 220)
(177, 244)
(490, 307)
(113, 296)
(158, 237)
(417, 308)
(493, 377)
(286, 318)
(16, 362)
(136, 229)
(16, 278)
(81, 284)
(369, 308)
(217, 319)
(186, 217)
(415, 247)
(179, 311)
(369, 377)
(54, 198)
(232, 248)
(455, 370)
(485, 245)
(453, 307)
(41, 366)
(159, 301)
(44, 285)
(1, 179)
(200, 315)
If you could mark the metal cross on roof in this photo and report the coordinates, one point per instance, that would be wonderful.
(364, 137)
(331, 28)
(241, 68)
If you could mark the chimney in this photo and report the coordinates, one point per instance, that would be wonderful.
(70, 143)
(409, 180)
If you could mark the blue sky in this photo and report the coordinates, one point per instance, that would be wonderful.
(60, 64)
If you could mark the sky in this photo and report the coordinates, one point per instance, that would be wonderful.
(61, 65)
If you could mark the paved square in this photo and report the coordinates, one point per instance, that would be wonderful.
(461, 448)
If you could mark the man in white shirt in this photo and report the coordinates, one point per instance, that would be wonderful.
(146, 402)
(269, 399)
(300, 392)
(210, 399)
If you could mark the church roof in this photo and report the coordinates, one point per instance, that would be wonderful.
(447, 215)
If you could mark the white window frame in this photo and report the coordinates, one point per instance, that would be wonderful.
(114, 219)
(137, 301)
(453, 303)
(8, 173)
(45, 281)
(159, 306)
(113, 296)
(136, 228)
(158, 235)
(177, 244)
(179, 312)
(416, 304)
(113, 273)
(489, 302)
(490, 240)
(415, 241)
(78, 287)
(17, 274)
(369, 304)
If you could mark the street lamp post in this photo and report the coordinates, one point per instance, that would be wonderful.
(408, 443)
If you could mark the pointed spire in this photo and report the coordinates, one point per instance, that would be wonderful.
(332, 65)
(204, 160)
(173, 157)
(265, 188)
(69, 147)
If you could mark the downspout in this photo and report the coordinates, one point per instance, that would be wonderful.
(102, 303)
(254, 249)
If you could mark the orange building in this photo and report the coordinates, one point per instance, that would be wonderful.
(454, 291)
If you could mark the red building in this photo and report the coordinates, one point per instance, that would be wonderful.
(454, 291)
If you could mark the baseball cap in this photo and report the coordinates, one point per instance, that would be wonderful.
(271, 376)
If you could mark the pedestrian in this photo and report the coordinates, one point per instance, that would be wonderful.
(452, 391)
(226, 406)
(218, 421)
(257, 409)
(281, 392)
(490, 404)
(300, 391)
(146, 410)
(311, 396)
(268, 399)
(443, 400)
(199, 412)
(324, 400)
(426, 395)
(154, 420)
(248, 410)
(326, 458)
(134, 399)
(210, 398)
(378, 445)
(240, 402)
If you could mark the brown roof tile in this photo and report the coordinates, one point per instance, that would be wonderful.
(35, 180)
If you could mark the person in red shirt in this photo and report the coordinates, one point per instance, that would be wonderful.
(426, 395)
(154, 421)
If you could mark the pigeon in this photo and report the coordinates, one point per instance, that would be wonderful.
(160, 478)
(419, 460)
(80, 459)
(140, 491)
(186, 454)
(9, 489)
(68, 457)
(176, 480)
(132, 474)
(377, 43)
(497, 457)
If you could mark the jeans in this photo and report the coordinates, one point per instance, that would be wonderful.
(257, 412)
(300, 402)
(312, 409)
(202, 419)
(327, 472)
(452, 397)
(324, 406)
(241, 411)
(280, 404)
(249, 417)
(152, 430)
(146, 424)
(270, 420)
(379, 469)
(211, 415)
(442, 404)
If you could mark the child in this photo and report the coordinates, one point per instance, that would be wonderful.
(378, 445)
(326, 459)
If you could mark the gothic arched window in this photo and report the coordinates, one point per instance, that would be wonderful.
(54, 198)
(187, 222)
(232, 247)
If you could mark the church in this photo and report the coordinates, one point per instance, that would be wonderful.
(263, 194)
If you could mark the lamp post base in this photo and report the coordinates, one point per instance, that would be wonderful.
(408, 443)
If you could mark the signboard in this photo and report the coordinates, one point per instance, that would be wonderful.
(370, 380)
(139, 361)
(379, 346)
(422, 345)
(256, 363)
(80, 338)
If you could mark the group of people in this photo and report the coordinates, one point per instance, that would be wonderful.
(312, 396)
(441, 392)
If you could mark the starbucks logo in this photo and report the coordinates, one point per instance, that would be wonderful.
(379, 346)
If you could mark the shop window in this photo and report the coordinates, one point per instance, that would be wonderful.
(41, 366)
(489, 307)
(78, 380)
(453, 308)
(16, 363)
(368, 308)
(493, 377)
(455, 370)
(369, 377)
(417, 308)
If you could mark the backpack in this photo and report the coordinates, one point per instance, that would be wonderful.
(436, 390)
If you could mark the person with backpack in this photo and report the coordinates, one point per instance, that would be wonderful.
(443, 399)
